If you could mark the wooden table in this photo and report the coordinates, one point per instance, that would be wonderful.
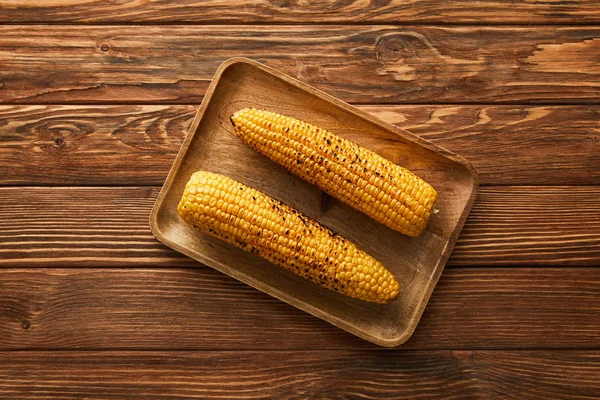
(97, 97)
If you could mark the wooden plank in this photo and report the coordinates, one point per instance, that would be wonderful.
(325, 11)
(108, 226)
(90, 145)
(309, 374)
(532, 225)
(365, 64)
(200, 308)
(135, 145)
(545, 145)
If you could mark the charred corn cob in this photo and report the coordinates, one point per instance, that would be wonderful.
(388, 193)
(240, 215)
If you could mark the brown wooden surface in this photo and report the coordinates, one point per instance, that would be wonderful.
(322, 11)
(308, 374)
(100, 94)
(107, 226)
(136, 144)
(366, 64)
(199, 308)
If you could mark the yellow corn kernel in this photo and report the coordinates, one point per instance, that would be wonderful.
(369, 183)
(284, 237)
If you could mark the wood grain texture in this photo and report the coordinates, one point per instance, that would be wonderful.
(298, 12)
(293, 375)
(532, 225)
(545, 145)
(136, 145)
(200, 308)
(518, 332)
(105, 226)
(90, 145)
(366, 64)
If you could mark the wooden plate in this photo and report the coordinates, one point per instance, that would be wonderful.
(212, 145)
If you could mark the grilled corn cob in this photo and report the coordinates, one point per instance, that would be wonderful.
(386, 192)
(221, 207)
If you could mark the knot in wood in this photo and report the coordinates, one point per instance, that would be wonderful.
(393, 49)
(105, 47)
(25, 324)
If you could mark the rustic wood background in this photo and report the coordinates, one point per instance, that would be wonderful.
(96, 98)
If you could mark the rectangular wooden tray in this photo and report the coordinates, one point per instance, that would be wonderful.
(212, 145)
